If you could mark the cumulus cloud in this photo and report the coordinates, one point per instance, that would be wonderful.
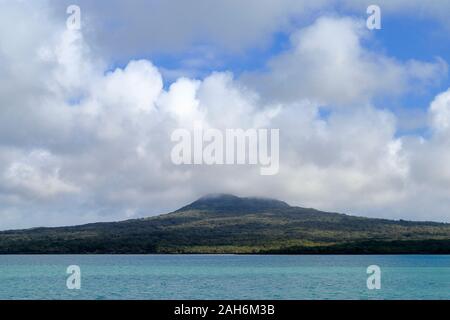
(37, 175)
(80, 142)
(329, 64)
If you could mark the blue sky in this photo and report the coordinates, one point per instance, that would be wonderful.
(364, 116)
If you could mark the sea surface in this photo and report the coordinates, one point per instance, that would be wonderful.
(224, 277)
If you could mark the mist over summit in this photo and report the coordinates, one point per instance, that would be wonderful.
(232, 203)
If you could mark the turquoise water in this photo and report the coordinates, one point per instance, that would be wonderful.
(224, 277)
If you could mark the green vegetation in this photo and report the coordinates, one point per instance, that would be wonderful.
(228, 224)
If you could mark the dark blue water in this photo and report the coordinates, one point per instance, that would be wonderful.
(224, 277)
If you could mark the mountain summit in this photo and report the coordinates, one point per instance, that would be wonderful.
(230, 203)
(223, 223)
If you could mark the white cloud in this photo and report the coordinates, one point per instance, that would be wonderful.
(440, 112)
(37, 175)
(328, 63)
